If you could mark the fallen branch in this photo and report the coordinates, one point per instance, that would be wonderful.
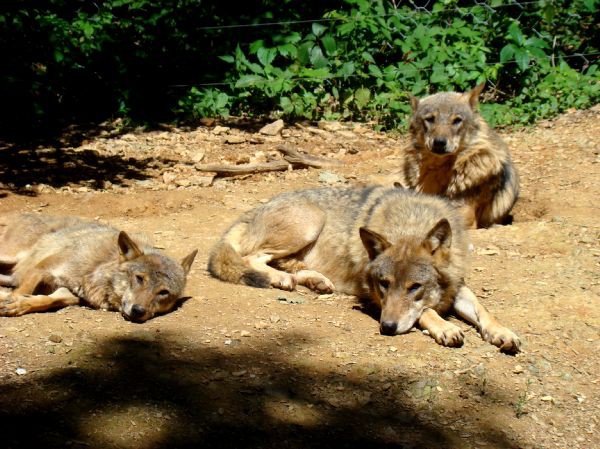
(292, 157)
(243, 169)
(296, 157)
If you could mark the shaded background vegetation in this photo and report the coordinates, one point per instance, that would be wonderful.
(84, 61)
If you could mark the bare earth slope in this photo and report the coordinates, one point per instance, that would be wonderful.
(247, 368)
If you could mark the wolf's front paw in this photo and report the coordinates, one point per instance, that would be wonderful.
(502, 337)
(315, 281)
(449, 335)
(285, 281)
(11, 306)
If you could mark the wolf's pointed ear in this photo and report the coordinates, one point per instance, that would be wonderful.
(473, 95)
(128, 250)
(374, 243)
(440, 236)
(187, 261)
(414, 102)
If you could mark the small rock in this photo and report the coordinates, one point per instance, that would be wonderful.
(358, 129)
(169, 177)
(346, 134)
(183, 182)
(274, 318)
(198, 156)
(244, 333)
(328, 177)
(21, 371)
(489, 251)
(330, 125)
(518, 369)
(54, 338)
(272, 129)
(203, 181)
(228, 341)
(256, 140)
(207, 121)
(220, 130)
(291, 300)
(234, 140)
(393, 349)
(547, 398)
(128, 137)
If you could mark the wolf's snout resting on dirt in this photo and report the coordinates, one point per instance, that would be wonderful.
(52, 262)
(404, 250)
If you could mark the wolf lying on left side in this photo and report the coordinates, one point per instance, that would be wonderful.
(50, 262)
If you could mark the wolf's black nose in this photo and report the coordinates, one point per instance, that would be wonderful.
(137, 312)
(439, 145)
(388, 327)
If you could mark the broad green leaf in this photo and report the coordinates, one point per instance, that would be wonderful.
(227, 58)
(515, 32)
(507, 52)
(249, 81)
(367, 57)
(317, 58)
(329, 44)
(362, 97)
(266, 55)
(374, 70)
(522, 57)
(346, 70)
(318, 29)
(286, 105)
(288, 50)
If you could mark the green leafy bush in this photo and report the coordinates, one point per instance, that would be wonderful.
(362, 61)
(359, 60)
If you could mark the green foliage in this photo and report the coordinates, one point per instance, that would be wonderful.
(363, 60)
(139, 59)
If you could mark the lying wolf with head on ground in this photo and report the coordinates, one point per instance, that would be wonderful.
(52, 262)
(404, 250)
(456, 154)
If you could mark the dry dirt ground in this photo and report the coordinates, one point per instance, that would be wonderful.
(248, 368)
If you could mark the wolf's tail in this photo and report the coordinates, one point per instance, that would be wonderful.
(225, 263)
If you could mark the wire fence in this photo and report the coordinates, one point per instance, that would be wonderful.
(471, 13)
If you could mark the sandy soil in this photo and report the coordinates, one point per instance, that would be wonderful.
(248, 368)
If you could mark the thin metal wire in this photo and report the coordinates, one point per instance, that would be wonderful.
(409, 69)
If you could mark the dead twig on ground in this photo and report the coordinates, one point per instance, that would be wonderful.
(291, 156)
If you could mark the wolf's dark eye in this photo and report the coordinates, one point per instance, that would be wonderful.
(430, 119)
(384, 284)
(414, 287)
(139, 279)
(163, 293)
(457, 121)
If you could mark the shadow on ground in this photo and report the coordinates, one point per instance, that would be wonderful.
(155, 394)
(22, 166)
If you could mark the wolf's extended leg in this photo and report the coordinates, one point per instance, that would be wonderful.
(468, 307)
(19, 304)
(285, 231)
(443, 332)
(315, 281)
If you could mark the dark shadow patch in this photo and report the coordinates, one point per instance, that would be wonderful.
(155, 393)
(25, 166)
